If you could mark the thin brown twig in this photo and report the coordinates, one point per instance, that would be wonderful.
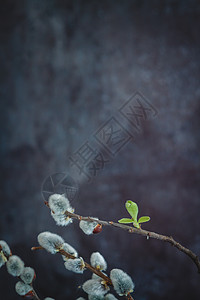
(148, 234)
(35, 295)
(129, 297)
(36, 248)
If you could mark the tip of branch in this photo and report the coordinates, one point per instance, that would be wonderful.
(36, 248)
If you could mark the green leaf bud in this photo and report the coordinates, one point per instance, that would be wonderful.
(143, 219)
(132, 208)
(125, 221)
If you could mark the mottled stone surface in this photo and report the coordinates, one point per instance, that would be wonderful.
(66, 68)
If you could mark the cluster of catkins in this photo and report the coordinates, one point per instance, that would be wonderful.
(59, 204)
(96, 287)
(15, 267)
(53, 243)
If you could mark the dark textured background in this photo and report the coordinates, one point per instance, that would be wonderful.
(66, 67)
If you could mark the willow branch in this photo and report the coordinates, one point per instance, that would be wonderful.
(33, 292)
(146, 233)
(129, 297)
(88, 266)
(35, 295)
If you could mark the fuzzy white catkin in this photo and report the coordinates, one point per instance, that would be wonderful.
(50, 241)
(22, 288)
(48, 298)
(69, 249)
(62, 220)
(80, 298)
(122, 282)
(92, 297)
(58, 203)
(5, 248)
(95, 287)
(87, 226)
(3, 259)
(75, 265)
(28, 275)
(15, 265)
(4, 253)
(110, 297)
(95, 276)
(98, 261)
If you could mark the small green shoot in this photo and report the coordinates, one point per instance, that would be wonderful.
(132, 209)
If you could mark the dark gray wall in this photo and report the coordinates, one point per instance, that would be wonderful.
(66, 68)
